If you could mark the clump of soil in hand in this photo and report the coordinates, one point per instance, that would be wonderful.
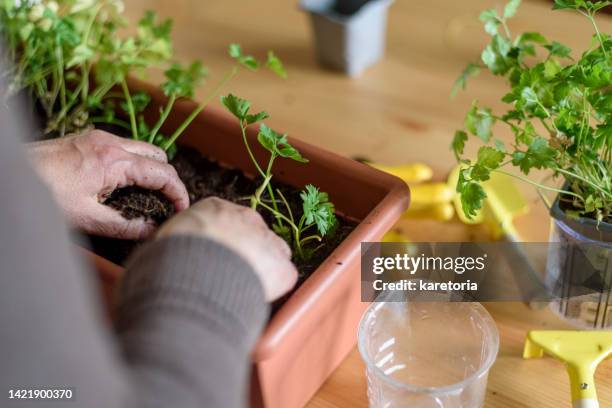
(135, 202)
(205, 178)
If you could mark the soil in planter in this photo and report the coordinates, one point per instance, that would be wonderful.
(204, 178)
(566, 203)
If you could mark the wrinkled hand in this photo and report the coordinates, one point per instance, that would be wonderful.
(245, 232)
(83, 170)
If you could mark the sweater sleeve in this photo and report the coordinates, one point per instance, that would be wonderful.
(190, 310)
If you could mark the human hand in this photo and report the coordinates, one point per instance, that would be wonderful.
(83, 170)
(243, 231)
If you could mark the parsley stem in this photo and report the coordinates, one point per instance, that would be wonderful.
(118, 122)
(269, 187)
(599, 37)
(249, 151)
(310, 238)
(230, 74)
(506, 29)
(130, 106)
(59, 54)
(282, 196)
(162, 118)
(73, 98)
(296, 229)
(584, 180)
(281, 215)
(538, 185)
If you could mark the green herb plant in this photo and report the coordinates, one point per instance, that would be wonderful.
(560, 112)
(317, 210)
(69, 55)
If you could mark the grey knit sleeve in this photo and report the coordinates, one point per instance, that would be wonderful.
(190, 311)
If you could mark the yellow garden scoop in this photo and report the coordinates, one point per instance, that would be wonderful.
(504, 202)
(428, 199)
(581, 351)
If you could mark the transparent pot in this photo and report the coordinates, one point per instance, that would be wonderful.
(579, 271)
(427, 354)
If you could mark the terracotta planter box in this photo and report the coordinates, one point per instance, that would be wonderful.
(316, 328)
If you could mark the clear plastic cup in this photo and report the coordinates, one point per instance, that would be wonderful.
(427, 354)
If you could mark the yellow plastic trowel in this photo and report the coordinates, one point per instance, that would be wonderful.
(504, 202)
(428, 200)
(581, 351)
(439, 201)
(435, 200)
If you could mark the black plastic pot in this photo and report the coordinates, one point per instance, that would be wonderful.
(579, 269)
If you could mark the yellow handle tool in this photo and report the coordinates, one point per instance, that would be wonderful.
(436, 212)
(431, 193)
(410, 173)
(581, 351)
(428, 200)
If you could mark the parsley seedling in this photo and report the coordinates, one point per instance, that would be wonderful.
(560, 114)
(317, 210)
(69, 55)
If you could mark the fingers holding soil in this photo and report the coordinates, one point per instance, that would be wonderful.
(145, 150)
(137, 147)
(154, 175)
(108, 222)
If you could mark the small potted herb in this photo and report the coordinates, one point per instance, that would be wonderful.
(73, 62)
(560, 113)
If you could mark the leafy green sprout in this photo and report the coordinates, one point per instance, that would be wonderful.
(560, 114)
(54, 47)
(317, 210)
(181, 83)
(69, 56)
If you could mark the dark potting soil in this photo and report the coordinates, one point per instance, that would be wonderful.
(204, 178)
(566, 203)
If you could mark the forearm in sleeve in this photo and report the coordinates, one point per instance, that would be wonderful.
(189, 310)
(189, 314)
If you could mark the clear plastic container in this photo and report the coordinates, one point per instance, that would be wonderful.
(579, 270)
(427, 354)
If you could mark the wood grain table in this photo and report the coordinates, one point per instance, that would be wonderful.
(399, 111)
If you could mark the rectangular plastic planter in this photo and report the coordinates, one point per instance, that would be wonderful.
(316, 328)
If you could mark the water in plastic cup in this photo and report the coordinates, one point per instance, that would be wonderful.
(427, 354)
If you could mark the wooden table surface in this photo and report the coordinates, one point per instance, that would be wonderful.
(399, 111)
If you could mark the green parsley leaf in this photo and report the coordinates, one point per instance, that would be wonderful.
(511, 8)
(276, 65)
(237, 106)
(182, 81)
(558, 50)
(458, 143)
(318, 209)
(538, 155)
(460, 83)
(479, 122)
(277, 144)
(235, 51)
(472, 197)
(257, 117)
